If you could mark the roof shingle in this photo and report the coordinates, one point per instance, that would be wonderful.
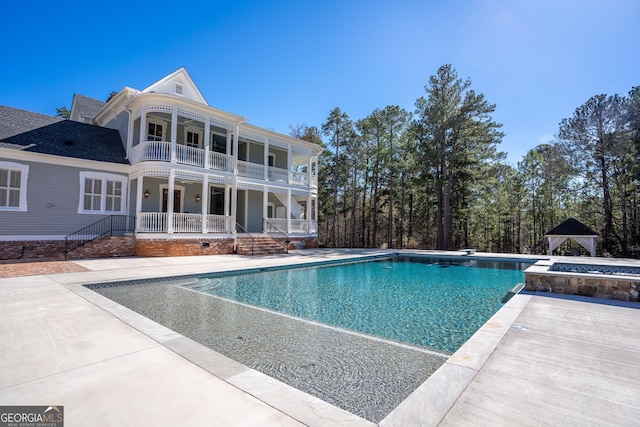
(572, 227)
(39, 133)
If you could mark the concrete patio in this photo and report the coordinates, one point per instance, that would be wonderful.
(541, 360)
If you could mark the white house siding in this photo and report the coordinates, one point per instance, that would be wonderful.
(51, 184)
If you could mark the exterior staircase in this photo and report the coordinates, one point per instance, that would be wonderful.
(260, 244)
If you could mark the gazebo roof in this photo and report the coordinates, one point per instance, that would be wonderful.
(572, 227)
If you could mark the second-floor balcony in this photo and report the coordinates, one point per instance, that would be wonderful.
(273, 174)
(161, 151)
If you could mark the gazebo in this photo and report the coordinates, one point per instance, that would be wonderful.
(573, 229)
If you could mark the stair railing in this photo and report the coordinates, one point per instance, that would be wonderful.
(276, 234)
(235, 238)
(110, 225)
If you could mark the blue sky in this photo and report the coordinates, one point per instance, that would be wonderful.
(282, 63)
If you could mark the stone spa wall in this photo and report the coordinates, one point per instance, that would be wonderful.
(619, 283)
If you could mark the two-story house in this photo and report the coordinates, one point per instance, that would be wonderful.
(159, 166)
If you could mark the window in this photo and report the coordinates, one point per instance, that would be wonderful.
(178, 90)
(13, 186)
(155, 132)
(272, 159)
(193, 139)
(101, 193)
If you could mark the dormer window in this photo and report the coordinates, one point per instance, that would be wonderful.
(178, 89)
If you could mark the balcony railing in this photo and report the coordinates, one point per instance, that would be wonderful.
(157, 222)
(278, 175)
(250, 170)
(189, 155)
(160, 151)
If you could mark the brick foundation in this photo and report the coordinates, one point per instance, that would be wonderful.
(32, 250)
(118, 246)
(183, 247)
(106, 247)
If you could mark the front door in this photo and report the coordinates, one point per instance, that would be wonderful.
(216, 201)
(176, 200)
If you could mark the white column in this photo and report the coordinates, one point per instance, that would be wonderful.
(289, 164)
(234, 188)
(315, 212)
(139, 196)
(265, 204)
(309, 169)
(308, 212)
(170, 196)
(288, 211)
(227, 205)
(204, 200)
(266, 159)
(143, 126)
(174, 134)
(207, 141)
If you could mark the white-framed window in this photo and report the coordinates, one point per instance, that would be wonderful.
(154, 131)
(192, 138)
(102, 193)
(13, 186)
(178, 88)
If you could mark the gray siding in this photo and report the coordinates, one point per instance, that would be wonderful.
(254, 209)
(121, 124)
(51, 184)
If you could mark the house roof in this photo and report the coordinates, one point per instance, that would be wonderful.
(83, 106)
(39, 133)
(572, 227)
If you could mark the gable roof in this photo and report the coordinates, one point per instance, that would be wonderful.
(85, 107)
(39, 133)
(572, 227)
(167, 85)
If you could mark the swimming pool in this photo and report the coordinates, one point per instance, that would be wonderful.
(428, 302)
(364, 375)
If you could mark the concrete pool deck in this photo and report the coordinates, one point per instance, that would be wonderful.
(540, 360)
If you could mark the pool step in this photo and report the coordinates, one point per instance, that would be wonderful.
(259, 245)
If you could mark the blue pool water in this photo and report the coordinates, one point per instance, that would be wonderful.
(427, 302)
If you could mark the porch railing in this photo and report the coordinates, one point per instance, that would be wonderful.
(219, 224)
(187, 223)
(295, 225)
(157, 222)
